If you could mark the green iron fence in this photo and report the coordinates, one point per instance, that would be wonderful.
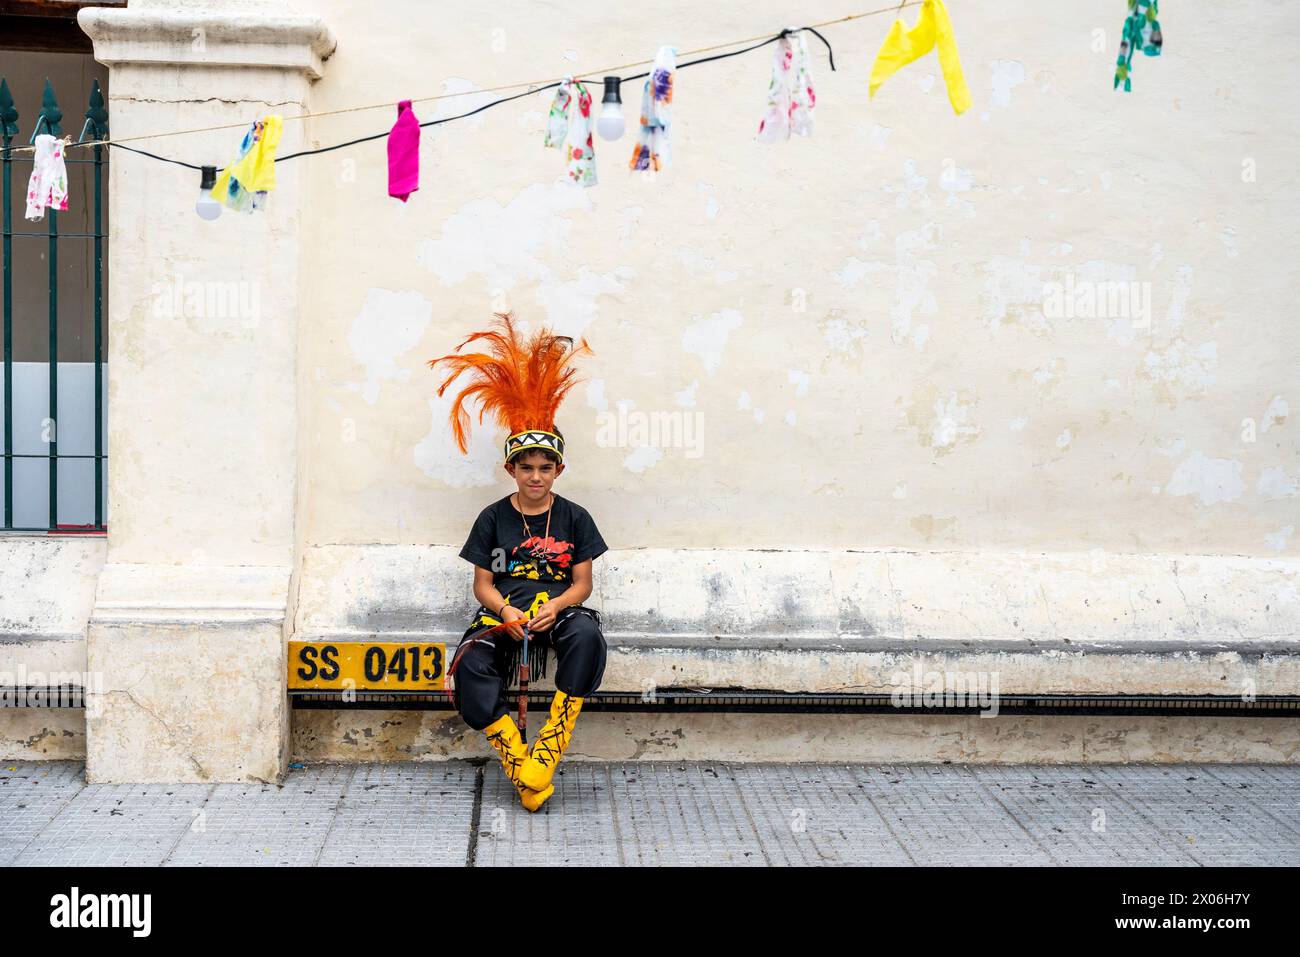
(48, 120)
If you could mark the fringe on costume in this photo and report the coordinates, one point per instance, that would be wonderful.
(539, 647)
(538, 657)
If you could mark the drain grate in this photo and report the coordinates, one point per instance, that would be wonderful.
(741, 701)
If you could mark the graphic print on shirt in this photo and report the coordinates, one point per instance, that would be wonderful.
(538, 558)
(529, 568)
(484, 618)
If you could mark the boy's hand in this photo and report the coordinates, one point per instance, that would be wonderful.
(544, 617)
(511, 613)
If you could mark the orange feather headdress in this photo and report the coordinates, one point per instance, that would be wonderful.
(520, 383)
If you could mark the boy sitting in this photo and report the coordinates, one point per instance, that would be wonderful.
(532, 552)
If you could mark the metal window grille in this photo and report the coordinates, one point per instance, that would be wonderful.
(29, 438)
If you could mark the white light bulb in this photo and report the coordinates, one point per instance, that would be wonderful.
(610, 123)
(207, 207)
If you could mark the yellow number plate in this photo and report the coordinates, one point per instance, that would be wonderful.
(366, 665)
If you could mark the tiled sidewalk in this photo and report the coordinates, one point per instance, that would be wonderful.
(458, 813)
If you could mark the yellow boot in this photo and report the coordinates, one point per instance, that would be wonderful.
(503, 735)
(551, 743)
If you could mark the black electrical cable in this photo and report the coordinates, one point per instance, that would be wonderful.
(829, 52)
(505, 99)
(152, 156)
(445, 119)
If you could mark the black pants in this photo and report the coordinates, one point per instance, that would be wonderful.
(485, 671)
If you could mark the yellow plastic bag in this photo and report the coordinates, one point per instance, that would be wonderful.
(902, 46)
(244, 183)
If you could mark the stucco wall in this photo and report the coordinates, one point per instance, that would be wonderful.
(891, 430)
(858, 320)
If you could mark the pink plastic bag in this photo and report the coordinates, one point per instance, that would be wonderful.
(404, 153)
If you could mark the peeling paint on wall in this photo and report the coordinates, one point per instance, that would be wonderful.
(464, 96)
(694, 260)
(1278, 540)
(642, 457)
(1229, 239)
(389, 325)
(437, 456)
(631, 222)
(711, 205)
(1006, 75)
(1210, 480)
(875, 134)
(931, 527)
(842, 336)
(941, 421)
(504, 244)
(1274, 483)
(1171, 447)
(923, 260)
(913, 190)
(571, 304)
(1013, 292)
(852, 272)
(1178, 299)
(1182, 370)
(957, 180)
(1275, 414)
(707, 337)
(914, 276)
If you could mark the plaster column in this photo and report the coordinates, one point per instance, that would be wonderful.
(189, 625)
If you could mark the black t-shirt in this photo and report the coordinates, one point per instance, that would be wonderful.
(529, 569)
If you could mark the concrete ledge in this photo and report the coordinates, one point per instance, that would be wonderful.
(192, 659)
(47, 588)
(876, 739)
(827, 621)
(759, 595)
(1040, 672)
(1088, 623)
(647, 664)
(191, 594)
(48, 655)
(255, 37)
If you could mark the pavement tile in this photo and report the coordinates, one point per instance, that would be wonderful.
(661, 812)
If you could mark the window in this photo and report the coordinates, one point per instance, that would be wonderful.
(53, 378)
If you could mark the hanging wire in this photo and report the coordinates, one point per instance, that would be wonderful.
(529, 89)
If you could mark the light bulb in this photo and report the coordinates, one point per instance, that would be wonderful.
(207, 207)
(610, 124)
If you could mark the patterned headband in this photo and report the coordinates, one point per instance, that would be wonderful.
(535, 439)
